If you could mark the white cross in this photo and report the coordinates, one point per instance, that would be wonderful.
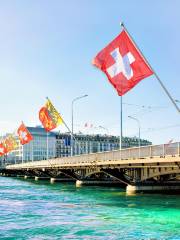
(122, 64)
(23, 135)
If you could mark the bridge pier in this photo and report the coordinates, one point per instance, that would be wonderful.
(53, 180)
(36, 178)
(132, 189)
(20, 176)
(26, 177)
(79, 183)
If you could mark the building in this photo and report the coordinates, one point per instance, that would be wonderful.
(84, 144)
(50, 145)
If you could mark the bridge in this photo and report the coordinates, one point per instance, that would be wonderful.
(148, 168)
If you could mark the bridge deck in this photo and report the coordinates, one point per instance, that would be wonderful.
(166, 155)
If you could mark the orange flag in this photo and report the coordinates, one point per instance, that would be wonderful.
(10, 143)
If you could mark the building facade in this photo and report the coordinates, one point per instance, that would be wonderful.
(84, 144)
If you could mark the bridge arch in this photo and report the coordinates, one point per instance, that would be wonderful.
(115, 174)
(165, 172)
(93, 172)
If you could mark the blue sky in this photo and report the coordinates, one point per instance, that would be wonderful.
(46, 48)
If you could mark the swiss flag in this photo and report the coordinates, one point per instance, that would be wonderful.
(3, 149)
(122, 63)
(24, 134)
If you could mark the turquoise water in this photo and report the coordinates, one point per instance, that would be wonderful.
(40, 210)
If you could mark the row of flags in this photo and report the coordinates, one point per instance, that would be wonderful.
(124, 66)
(10, 142)
(50, 119)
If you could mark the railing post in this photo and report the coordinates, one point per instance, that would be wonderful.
(139, 152)
(150, 151)
(163, 150)
(129, 153)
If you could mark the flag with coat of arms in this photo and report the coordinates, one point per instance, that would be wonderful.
(49, 116)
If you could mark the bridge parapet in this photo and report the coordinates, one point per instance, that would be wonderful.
(161, 151)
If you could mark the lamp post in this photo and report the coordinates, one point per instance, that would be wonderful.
(72, 120)
(139, 132)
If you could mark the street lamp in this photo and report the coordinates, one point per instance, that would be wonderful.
(104, 129)
(139, 127)
(72, 119)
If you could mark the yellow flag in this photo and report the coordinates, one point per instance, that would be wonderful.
(53, 113)
(11, 143)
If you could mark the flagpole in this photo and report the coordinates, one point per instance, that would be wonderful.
(73, 137)
(47, 143)
(121, 125)
(66, 126)
(32, 150)
(22, 154)
(155, 74)
(6, 158)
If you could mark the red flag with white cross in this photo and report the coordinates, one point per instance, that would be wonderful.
(3, 149)
(24, 135)
(122, 63)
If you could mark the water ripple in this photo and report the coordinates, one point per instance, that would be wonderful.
(40, 211)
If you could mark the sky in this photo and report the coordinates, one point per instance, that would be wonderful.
(46, 49)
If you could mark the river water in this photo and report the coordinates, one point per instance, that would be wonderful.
(40, 210)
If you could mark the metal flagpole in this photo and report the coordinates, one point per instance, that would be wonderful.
(72, 136)
(71, 133)
(22, 153)
(47, 141)
(121, 125)
(155, 74)
(32, 150)
(72, 130)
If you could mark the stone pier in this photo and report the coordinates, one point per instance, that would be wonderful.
(53, 180)
(132, 189)
(79, 183)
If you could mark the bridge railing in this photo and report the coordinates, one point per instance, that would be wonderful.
(162, 150)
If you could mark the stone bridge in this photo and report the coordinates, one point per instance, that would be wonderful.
(150, 168)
